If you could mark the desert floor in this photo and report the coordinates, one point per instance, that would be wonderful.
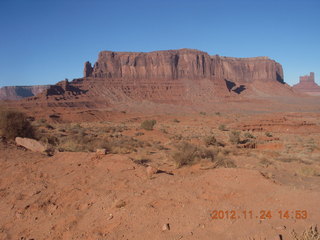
(199, 189)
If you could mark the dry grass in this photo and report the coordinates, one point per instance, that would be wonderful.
(79, 143)
(308, 172)
(234, 137)
(185, 155)
(265, 162)
(211, 141)
(311, 233)
(222, 127)
(188, 154)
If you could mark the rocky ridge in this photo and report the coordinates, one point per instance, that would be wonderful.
(19, 92)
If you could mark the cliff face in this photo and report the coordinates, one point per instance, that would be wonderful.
(181, 77)
(19, 92)
(182, 64)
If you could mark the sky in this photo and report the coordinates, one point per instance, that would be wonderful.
(46, 41)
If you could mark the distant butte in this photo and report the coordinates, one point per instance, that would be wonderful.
(179, 77)
(308, 85)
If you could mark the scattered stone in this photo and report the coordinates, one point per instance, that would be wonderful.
(120, 204)
(31, 144)
(281, 228)
(166, 227)
(101, 151)
(151, 171)
(110, 216)
(248, 145)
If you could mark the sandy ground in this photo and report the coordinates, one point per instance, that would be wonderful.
(78, 195)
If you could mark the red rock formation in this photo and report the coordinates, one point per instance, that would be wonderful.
(177, 76)
(308, 85)
(183, 64)
(184, 77)
(87, 69)
(19, 92)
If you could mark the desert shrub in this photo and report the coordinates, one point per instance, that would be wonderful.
(185, 154)
(268, 134)
(15, 124)
(309, 172)
(139, 134)
(310, 145)
(124, 145)
(234, 137)
(49, 140)
(176, 120)
(203, 113)
(209, 153)
(148, 124)
(288, 159)
(163, 130)
(226, 163)
(42, 120)
(249, 135)
(310, 234)
(141, 161)
(218, 113)
(265, 162)
(188, 154)
(78, 143)
(114, 129)
(222, 127)
(211, 141)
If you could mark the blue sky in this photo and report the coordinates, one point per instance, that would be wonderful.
(45, 41)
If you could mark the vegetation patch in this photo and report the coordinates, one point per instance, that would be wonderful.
(148, 124)
(234, 137)
(15, 124)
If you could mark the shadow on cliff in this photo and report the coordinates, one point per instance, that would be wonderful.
(22, 92)
(280, 79)
(233, 87)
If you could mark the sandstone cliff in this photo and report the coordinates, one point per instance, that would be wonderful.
(181, 77)
(19, 92)
(182, 64)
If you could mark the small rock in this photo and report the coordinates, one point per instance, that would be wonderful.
(166, 227)
(110, 216)
(281, 228)
(31, 144)
(101, 151)
(120, 204)
(151, 171)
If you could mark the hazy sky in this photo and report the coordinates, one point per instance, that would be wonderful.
(45, 41)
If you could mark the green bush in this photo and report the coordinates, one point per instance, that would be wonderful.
(148, 124)
(15, 124)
